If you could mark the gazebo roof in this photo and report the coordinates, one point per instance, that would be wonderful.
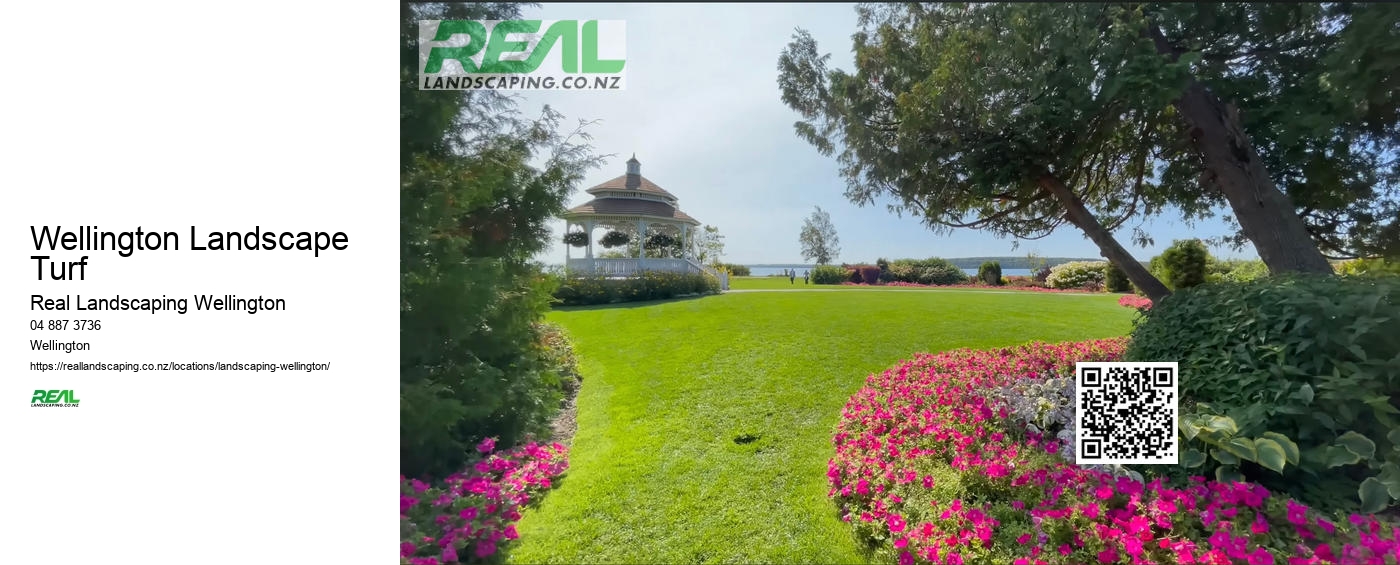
(620, 183)
(629, 207)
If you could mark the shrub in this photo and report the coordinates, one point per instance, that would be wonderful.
(736, 270)
(1115, 280)
(1041, 275)
(933, 465)
(931, 271)
(1313, 358)
(614, 239)
(853, 274)
(865, 274)
(1356, 267)
(1185, 263)
(990, 273)
(471, 515)
(1076, 274)
(1024, 282)
(829, 274)
(651, 285)
(885, 274)
(1243, 271)
(557, 352)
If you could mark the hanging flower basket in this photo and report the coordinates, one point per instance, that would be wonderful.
(576, 239)
(660, 241)
(614, 239)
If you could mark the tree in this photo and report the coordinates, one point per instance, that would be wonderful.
(1292, 108)
(958, 113)
(478, 186)
(818, 238)
(1132, 123)
(709, 244)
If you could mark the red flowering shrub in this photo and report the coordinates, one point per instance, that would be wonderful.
(931, 468)
(472, 514)
(1135, 301)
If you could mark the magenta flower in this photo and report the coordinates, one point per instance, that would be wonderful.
(486, 445)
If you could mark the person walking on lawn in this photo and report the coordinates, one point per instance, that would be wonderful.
(792, 276)
(806, 276)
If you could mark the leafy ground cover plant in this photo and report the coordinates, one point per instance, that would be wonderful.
(1315, 359)
(930, 468)
(471, 515)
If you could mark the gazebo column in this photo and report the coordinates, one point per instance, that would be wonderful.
(588, 229)
(641, 243)
(567, 225)
(685, 241)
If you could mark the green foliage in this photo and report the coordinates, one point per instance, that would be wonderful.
(1318, 104)
(1361, 267)
(557, 353)
(479, 185)
(990, 273)
(736, 270)
(1236, 270)
(1211, 445)
(829, 274)
(614, 239)
(651, 285)
(1115, 280)
(1315, 359)
(1078, 274)
(818, 238)
(959, 112)
(934, 271)
(661, 241)
(709, 246)
(1184, 263)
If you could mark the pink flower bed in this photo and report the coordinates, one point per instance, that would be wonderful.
(1134, 301)
(472, 514)
(973, 285)
(929, 466)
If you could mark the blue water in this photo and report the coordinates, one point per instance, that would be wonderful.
(766, 271)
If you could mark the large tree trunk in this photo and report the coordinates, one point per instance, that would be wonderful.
(1109, 248)
(1265, 213)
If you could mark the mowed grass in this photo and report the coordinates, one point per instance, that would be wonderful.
(736, 283)
(704, 424)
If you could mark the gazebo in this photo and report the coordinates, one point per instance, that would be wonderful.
(633, 209)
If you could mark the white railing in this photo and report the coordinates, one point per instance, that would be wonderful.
(629, 267)
(723, 278)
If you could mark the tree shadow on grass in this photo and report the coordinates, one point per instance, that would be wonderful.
(635, 304)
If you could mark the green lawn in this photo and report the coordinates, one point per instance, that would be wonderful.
(656, 472)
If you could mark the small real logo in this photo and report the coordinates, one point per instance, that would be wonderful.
(522, 55)
(54, 399)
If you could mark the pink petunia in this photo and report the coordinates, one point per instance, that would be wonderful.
(486, 446)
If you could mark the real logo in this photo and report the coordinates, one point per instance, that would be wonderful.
(54, 398)
(522, 54)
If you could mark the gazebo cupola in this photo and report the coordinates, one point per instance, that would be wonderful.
(636, 206)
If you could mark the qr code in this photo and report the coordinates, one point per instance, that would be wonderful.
(1125, 413)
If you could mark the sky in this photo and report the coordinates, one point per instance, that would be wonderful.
(703, 114)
